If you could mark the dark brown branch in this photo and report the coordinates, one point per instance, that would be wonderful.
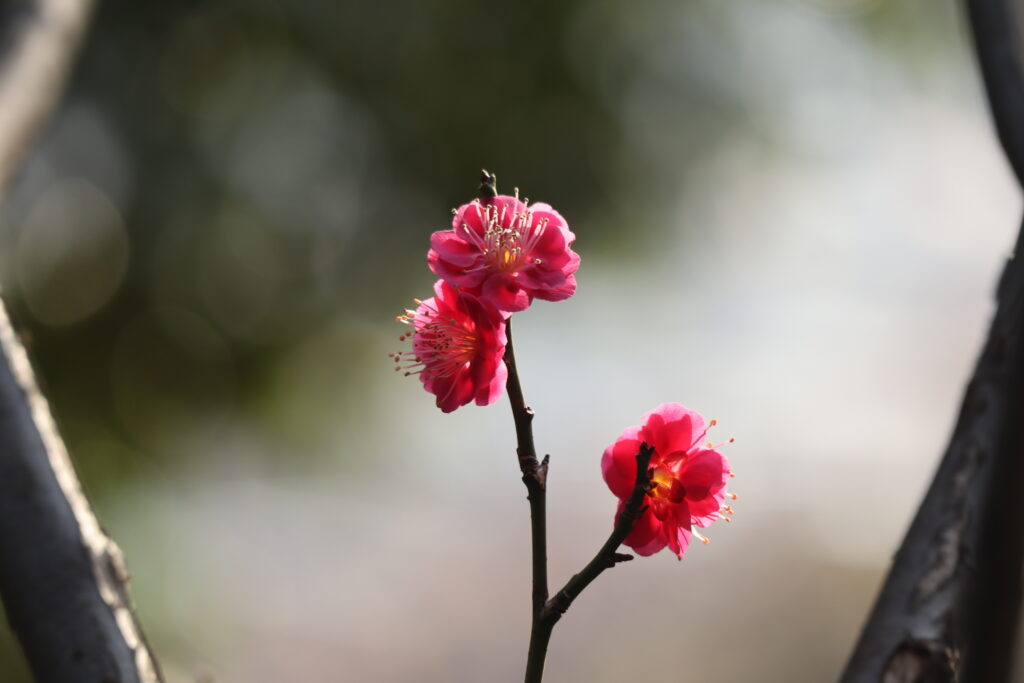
(949, 607)
(535, 474)
(992, 598)
(62, 580)
(606, 558)
(1000, 49)
(919, 622)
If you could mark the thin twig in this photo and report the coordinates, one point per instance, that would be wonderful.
(606, 557)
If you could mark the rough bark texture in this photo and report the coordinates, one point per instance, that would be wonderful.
(949, 606)
(62, 580)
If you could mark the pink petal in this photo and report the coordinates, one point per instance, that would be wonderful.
(443, 389)
(675, 427)
(544, 207)
(655, 545)
(456, 275)
(508, 207)
(708, 509)
(662, 509)
(468, 214)
(463, 393)
(445, 291)
(504, 293)
(706, 512)
(574, 263)
(618, 464)
(654, 434)
(541, 210)
(701, 472)
(667, 411)
(454, 249)
(683, 535)
(678, 531)
(646, 537)
(538, 277)
(560, 293)
(492, 391)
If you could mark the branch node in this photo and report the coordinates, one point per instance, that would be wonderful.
(557, 606)
(542, 471)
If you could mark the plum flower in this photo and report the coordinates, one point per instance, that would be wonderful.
(507, 252)
(688, 480)
(458, 343)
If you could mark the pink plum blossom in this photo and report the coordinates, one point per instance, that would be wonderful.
(458, 344)
(507, 252)
(688, 479)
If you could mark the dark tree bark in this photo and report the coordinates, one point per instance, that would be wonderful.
(949, 607)
(62, 580)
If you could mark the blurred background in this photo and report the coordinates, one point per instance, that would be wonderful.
(791, 215)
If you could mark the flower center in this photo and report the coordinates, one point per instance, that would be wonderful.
(665, 486)
(441, 345)
(509, 236)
